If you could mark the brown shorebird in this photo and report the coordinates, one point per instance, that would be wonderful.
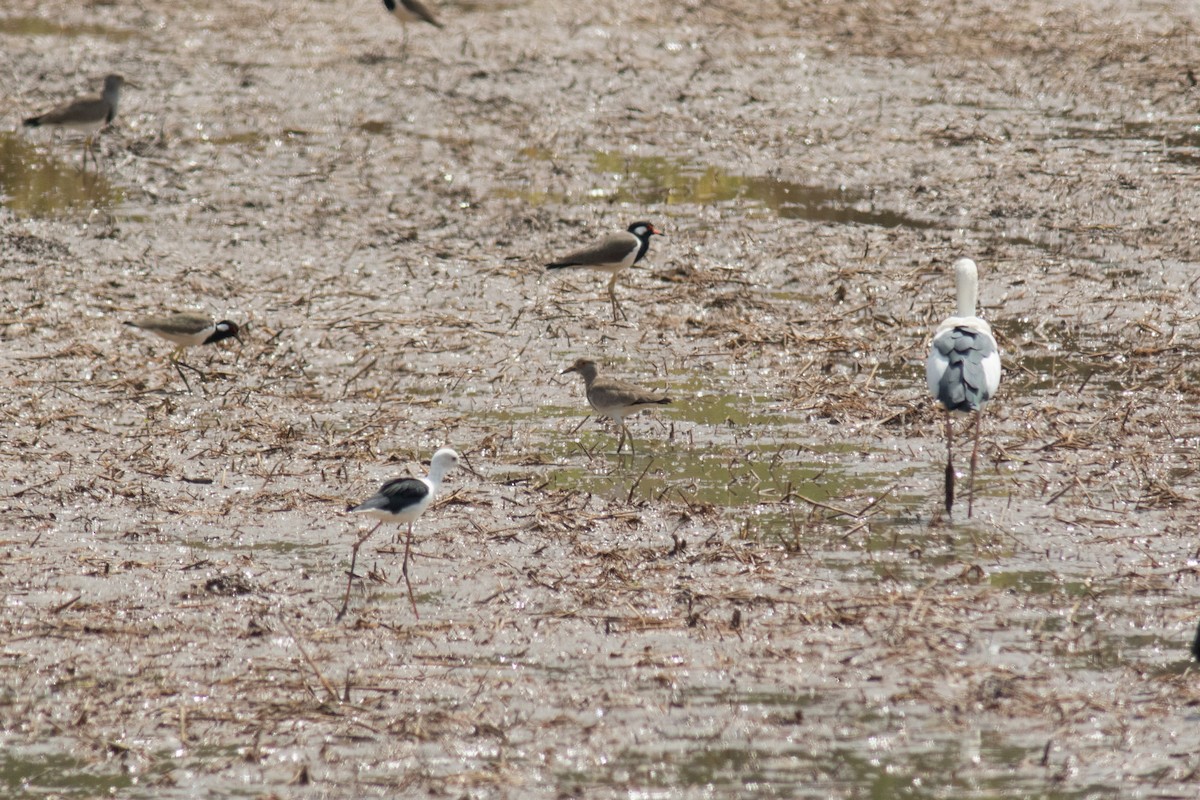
(613, 254)
(186, 330)
(401, 500)
(963, 370)
(88, 114)
(614, 399)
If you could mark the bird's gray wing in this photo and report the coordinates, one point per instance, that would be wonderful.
(963, 386)
(179, 324)
(612, 249)
(612, 393)
(82, 110)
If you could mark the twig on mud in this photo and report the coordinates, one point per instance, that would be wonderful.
(876, 502)
(633, 488)
(58, 609)
(839, 511)
(333, 695)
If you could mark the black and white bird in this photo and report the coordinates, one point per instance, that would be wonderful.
(401, 500)
(186, 330)
(87, 114)
(410, 11)
(614, 399)
(612, 254)
(963, 369)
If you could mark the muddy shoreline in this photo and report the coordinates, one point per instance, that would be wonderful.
(766, 601)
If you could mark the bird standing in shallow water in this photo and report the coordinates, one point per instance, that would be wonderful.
(186, 330)
(401, 500)
(87, 114)
(963, 370)
(613, 254)
(614, 399)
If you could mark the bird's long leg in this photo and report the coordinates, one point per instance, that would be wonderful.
(620, 435)
(974, 462)
(629, 436)
(949, 463)
(179, 368)
(353, 561)
(612, 297)
(404, 571)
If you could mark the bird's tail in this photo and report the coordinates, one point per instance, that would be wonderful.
(33, 122)
(664, 401)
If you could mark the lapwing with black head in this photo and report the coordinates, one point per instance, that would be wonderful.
(963, 370)
(612, 254)
(87, 114)
(187, 330)
(614, 399)
(402, 500)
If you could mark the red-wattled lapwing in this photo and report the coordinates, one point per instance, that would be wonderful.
(87, 114)
(614, 399)
(187, 330)
(963, 370)
(401, 500)
(613, 254)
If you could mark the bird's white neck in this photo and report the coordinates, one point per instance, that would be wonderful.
(966, 279)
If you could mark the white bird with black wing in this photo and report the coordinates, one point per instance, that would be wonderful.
(963, 370)
(401, 500)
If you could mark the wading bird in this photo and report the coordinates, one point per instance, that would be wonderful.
(88, 114)
(612, 254)
(401, 500)
(614, 399)
(186, 330)
(963, 370)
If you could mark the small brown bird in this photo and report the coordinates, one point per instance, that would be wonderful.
(614, 399)
(88, 114)
(186, 330)
(613, 254)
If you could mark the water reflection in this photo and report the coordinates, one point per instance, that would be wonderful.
(668, 181)
(654, 179)
(34, 184)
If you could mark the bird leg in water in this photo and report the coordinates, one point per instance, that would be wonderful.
(404, 571)
(949, 463)
(974, 462)
(353, 561)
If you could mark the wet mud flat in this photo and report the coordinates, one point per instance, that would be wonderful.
(766, 600)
